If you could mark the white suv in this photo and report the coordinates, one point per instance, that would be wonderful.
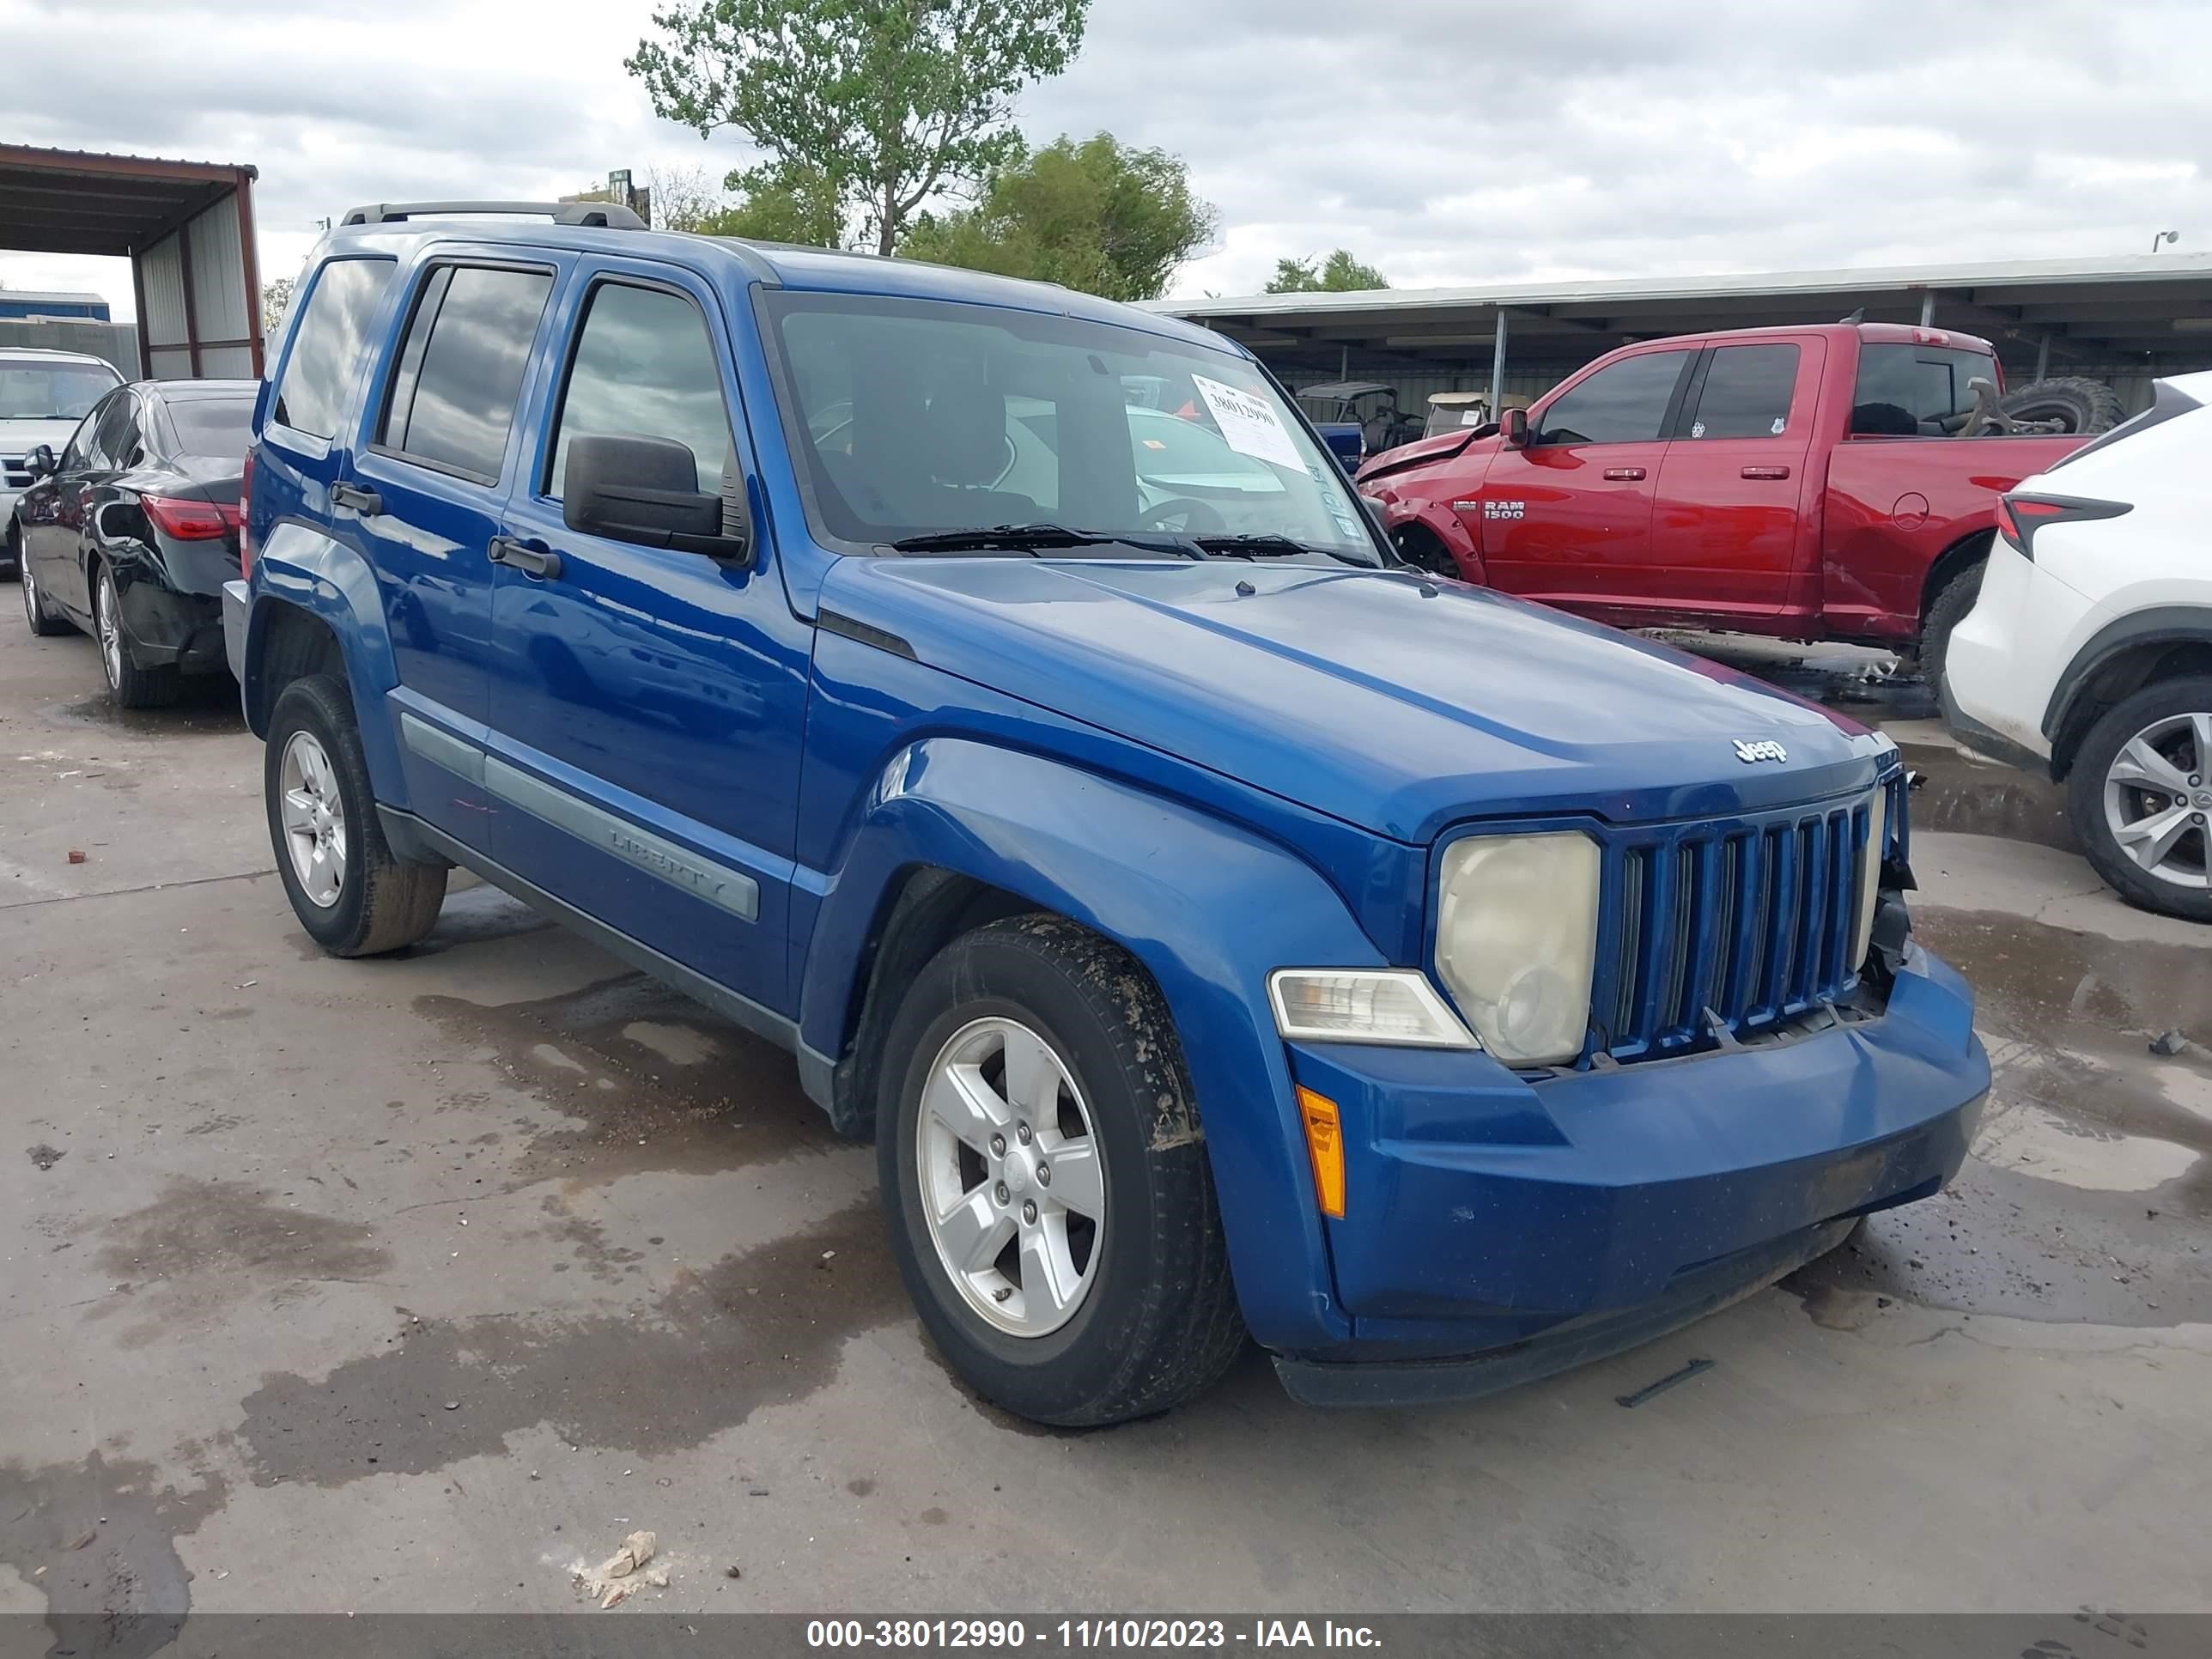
(43, 395)
(2089, 652)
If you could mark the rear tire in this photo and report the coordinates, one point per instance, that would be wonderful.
(365, 901)
(1144, 1317)
(1952, 604)
(129, 686)
(2160, 717)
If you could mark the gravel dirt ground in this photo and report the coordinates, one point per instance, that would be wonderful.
(418, 1283)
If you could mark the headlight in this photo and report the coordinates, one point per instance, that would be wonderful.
(1338, 1005)
(1516, 941)
(1870, 877)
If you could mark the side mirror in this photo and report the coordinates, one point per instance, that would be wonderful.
(1514, 426)
(43, 464)
(645, 491)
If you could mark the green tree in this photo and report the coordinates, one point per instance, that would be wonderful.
(275, 300)
(785, 204)
(892, 100)
(1098, 215)
(1339, 274)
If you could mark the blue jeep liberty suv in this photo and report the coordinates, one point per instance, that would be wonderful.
(1000, 698)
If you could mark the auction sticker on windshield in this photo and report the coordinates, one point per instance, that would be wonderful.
(1248, 424)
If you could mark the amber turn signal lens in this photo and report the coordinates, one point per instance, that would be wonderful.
(1325, 1147)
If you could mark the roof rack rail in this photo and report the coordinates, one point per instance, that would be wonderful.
(602, 215)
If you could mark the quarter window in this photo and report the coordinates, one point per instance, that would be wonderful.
(1905, 391)
(645, 366)
(327, 345)
(117, 439)
(460, 372)
(1624, 404)
(1746, 392)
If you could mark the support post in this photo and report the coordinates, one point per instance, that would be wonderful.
(1927, 308)
(2043, 358)
(250, 259)
(191, 304)
(1497, 369)
(138, 298)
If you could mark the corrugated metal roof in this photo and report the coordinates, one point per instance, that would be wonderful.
(48, 297)
(2130, 270)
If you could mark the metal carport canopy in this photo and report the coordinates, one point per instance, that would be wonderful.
(2154, 311)
(186, 228)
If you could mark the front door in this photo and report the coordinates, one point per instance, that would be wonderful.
(647, 704)
(425, 496)
(103, 446)
(1734, 530)
(1568, 519)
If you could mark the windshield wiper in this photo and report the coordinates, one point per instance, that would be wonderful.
(1030, 536)
(1276, 547)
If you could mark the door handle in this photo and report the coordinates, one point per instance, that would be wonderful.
(520, 556)
(365, 501)
(1623, 474)
(1766, 472)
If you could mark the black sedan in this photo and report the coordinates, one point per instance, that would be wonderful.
(130, 533)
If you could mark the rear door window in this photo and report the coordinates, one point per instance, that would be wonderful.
(1746, 392)
(1624, 403)
(453, 395)
(327, 345)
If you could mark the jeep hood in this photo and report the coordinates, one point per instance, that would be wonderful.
(1399, 704)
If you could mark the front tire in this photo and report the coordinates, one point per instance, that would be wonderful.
(43, 621)
(353, 897)
(129, 686)
(1093, 1296)
(2141, 798)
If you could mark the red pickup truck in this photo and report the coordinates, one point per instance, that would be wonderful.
(1804, 483)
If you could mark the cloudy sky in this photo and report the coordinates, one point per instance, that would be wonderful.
(1445, 140)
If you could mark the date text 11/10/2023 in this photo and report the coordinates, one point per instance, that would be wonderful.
(1079, 1634)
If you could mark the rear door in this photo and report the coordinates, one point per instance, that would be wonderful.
(648, 704)
(425, 494)
(1568, 519)
(1735, 528)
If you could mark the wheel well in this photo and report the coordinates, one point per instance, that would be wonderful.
(2118, 677)
(294, 644)
(922, 914)
(1966, 550)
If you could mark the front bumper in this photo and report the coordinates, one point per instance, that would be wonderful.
(1496, 1229)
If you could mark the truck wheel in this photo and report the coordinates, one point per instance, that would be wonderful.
(1049, 1200)
(354, 897)
(2141, 798)
(129, 686)
(2084, 406)
(1424, 550)
(1952, 604)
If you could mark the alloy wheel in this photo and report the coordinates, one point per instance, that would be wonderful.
(313, 816)
(1013, 1191)
(111, 632)
(2158, 800)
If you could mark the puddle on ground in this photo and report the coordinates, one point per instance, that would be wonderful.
(209, 708)
(98, 1540)
(652, 1080)
(1969, 797)
(204, 1246)
(764, 1327)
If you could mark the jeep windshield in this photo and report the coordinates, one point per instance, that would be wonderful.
(935, 427)
(53, 392)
